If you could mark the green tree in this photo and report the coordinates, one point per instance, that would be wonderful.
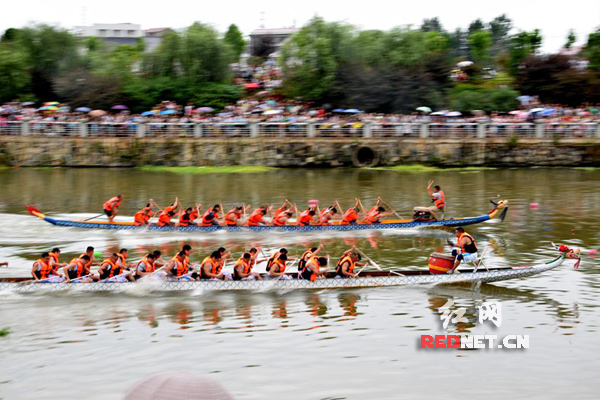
(592, 50)
(571, 39)
(432, 25)
(15, 79)
(479, 44)
(475, 26)
(521, 46)
(235, 39)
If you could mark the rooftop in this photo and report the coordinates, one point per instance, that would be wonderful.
(276, 31)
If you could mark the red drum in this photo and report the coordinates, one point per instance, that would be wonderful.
(440, 263)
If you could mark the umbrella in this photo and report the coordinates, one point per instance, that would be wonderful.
(28, 103)
(48, 108)
(120, 107)
(424, 109)
(52, 103)
(453, 114)
(205, 110)
(168, 112)
(516, 112)
(146, 113)
(339, 110)
(83, 109)
(536, 110)
(352, 111)
(524, 99)
(251, 86)
(439, 113)
(263, 93)
(546, 112)
(272, 112)
(463, 64)
(97, 113)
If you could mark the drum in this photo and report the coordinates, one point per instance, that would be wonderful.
(440, 263)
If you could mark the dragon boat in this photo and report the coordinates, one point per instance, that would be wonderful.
(365, 280)
(499, 211)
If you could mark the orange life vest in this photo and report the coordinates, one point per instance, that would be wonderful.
(231, 218)
(373, 216)
(185, 219)
(149, 266)
(278, 219)
(441, 202)
(214, 267)
(79, 270)
(274, 257)
(338, 267)
(112, 204)
(114, 270)
(88, 263)
(246, 266)
(54, 258)
(256, 217)
(278, 266)
(305, 218)
(181, 267)
(309, 274)
(469, 248)
(303, 259)
(44, 269)
(350, 216)
(324, 217)
(140, 219)
(208, 217)
(164, 219)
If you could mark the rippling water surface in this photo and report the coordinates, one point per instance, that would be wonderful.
(354, 344)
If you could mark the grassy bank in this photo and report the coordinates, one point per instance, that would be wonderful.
(4, 332)
(233, 169)
(428, 168)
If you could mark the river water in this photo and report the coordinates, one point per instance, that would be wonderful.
(354, 344)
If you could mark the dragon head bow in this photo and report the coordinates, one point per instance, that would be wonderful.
(573, 254)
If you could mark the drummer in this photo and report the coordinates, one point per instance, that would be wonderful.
(468, 249)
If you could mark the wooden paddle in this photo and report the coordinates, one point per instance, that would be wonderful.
(97, 216)
(388, 206)
(374, 263)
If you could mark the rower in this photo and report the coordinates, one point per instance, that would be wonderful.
(158, 261)
(142, 217)
(345, 267)
(307, 255)
(277, 270)
(257, 216)
(173, 207)
(165, 218)
(188, 217)
(242, 269)
(78, 268)
(111, 207)
(178, 268)
(209, 269)
(108, 267)
(275, 256)
(327, 214)
(224, 256)
(282, 218)
(376, 213)
(468, 249)
(143, 268)
(351, 215)
(122, 259)
(211, 216)
(312, 270)
(438, 199)
(233, 216)
(42, 269)
(285, 207)
(54, 254)
(306, 217)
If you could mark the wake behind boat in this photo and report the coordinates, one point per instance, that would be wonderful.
(364, 280)
(499, 211)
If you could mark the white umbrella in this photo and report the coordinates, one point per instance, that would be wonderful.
(453, 114)
(463, 64)
(535, 110)
(272, 112)
(439, 113)
(424, 109)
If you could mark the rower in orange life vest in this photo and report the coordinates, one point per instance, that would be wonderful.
(274, 257)
(312, 270)
(280, 219)
(285, 208)
(178, 268)
(242, 269)
(142, 217)
(327, 214)
(42, 269)
(54, 254)
(188, 217)
(468, 249)
(306, 217)
(307, 255)
(211, 267)
(111, 207)
(233, 216)
(78, 269)
(108, 267)
(438, 199)
(376, 213)
(143, 268)
(352, 214)
(257, 216)
(211, 217)
(277, 270)
(348, 261)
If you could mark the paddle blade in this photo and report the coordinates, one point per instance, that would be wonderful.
(32, 210)
(503, 214)
(494, 203)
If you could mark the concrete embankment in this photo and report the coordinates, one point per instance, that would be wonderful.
(330, 152)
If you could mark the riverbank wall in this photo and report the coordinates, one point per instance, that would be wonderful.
(297, 152)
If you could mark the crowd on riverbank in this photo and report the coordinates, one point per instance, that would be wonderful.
(284, 111)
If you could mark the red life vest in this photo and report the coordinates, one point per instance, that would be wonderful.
(372, 215)
(112, 204)
(256, 217)
(231, 218)
(305, 218)
(140, 219)
(441, 202)
(44, 269)
(164, 219)
(350, 216)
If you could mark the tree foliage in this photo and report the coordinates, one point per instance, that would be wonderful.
(235, 39)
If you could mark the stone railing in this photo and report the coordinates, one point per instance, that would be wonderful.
(367, 130)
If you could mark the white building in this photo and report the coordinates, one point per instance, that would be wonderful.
(125, 33)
